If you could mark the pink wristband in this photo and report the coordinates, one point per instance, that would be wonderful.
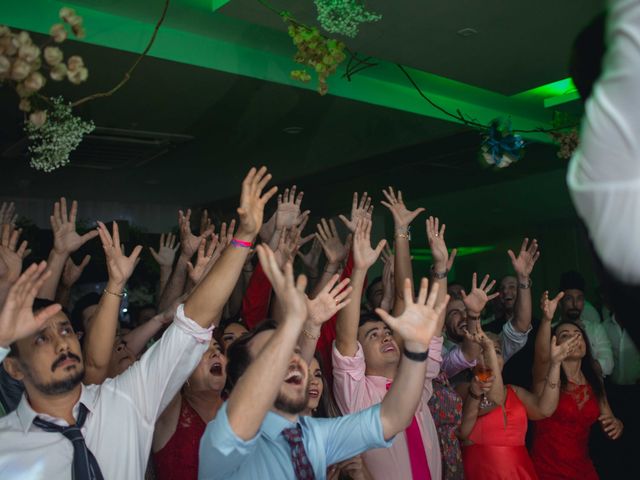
(241, 243)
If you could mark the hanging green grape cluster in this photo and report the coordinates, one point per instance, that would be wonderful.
(321, 54)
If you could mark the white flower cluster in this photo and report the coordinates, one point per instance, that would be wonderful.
(344, 16)
(51, 143)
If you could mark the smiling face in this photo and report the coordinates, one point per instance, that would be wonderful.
(508, 292)
(572, 304)
(316, 385)
(293, 395)
(378, 345)
(210, 374)
(49, 361)
(455, 321)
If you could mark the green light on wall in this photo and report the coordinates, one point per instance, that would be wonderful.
(216, 4)
(424, 254)
(553, 94)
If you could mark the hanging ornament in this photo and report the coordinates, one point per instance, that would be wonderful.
(344, 16)
(500, 147)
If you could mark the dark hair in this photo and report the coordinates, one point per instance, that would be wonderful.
(368, 317)
(81, 305)
(371, 285)
(38, 304)
(572, 280)
(587, 365)
(327, 407)
(238, 355)
(587, 53)
(225, 322)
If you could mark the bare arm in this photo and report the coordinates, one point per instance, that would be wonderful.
(363, 257)
(335, 251)
(246, 409)
(402, 218)
(101, 332)
(65, 241)
(206, 302)
(70, 275)
(475, 303)
(543, 341)
(165, 256)
(471, 406)
(138, 338)
(523, 265)
(11, 257)
(417, 325)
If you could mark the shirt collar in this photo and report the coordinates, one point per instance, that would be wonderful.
(26, 414)
(274, 424)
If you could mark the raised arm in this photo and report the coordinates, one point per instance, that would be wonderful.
(335, 251)
(497, 392)
(543, 341)
(11, 257)
(65, 241)
(523, 265)
(417, 325)
(474, 304)
(363, 257)
(206, 302)
(17, 320)
(402, 218)
(471, 406)
(256, 391)
(165, 256)
(101, 332)
(442, 262)
(70, 275)
(544, 405)
(189, 244)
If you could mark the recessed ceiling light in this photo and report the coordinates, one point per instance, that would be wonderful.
(467, 32)
(292, 130)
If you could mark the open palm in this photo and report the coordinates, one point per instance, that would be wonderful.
(402, 216)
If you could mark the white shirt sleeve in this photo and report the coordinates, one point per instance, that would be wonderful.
(3, 353)
(601, 346)
(153, 381)
(604, 174)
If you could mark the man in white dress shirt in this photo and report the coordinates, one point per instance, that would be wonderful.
(121, 413)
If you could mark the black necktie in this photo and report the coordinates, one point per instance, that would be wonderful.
(85, 465)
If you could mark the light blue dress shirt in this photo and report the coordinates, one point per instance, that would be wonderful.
(223, 455)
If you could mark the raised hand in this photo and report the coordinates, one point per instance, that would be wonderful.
(435, 236)
(421, 320)
(119, 266)
(363, 254)
(8, 215)
(204, 259)
(205, 223)
(63, 223)
(17, 320)
(290, 294)
(226, 234)
(525, 261)
(252, 202)
(478, 387)
(72, 272)
(311, 259)
(11, 255)
(479, 296)
(359, 211)
(166, 250)
(288, 212)
(388, 280)
(335, 251)
(560, 352)
(478, 336)
(287, 246)
(402, 217)
(188, 240)
(549, 306)
(331, 299)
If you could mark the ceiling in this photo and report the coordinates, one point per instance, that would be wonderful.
(227, 121)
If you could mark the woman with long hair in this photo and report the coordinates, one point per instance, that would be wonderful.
(176, 439)
(560, 444)
(322, 405)
(494, 416)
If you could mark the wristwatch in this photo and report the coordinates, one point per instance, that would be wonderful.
(438, 275)
(525, 285)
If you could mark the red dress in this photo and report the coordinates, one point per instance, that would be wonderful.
(498, 451)
(561, 442)
(178, 459)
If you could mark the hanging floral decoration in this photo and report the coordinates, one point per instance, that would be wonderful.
(320, 54)
(500, 146)
(567, 142)
(344, 16)
(54, 134)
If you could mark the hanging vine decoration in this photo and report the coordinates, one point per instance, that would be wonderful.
(344, 16)
(356, 65)
(52, 129)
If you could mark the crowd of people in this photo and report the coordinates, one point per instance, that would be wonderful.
(271, 352)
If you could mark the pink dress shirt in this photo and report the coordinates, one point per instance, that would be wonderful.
(355, 391)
